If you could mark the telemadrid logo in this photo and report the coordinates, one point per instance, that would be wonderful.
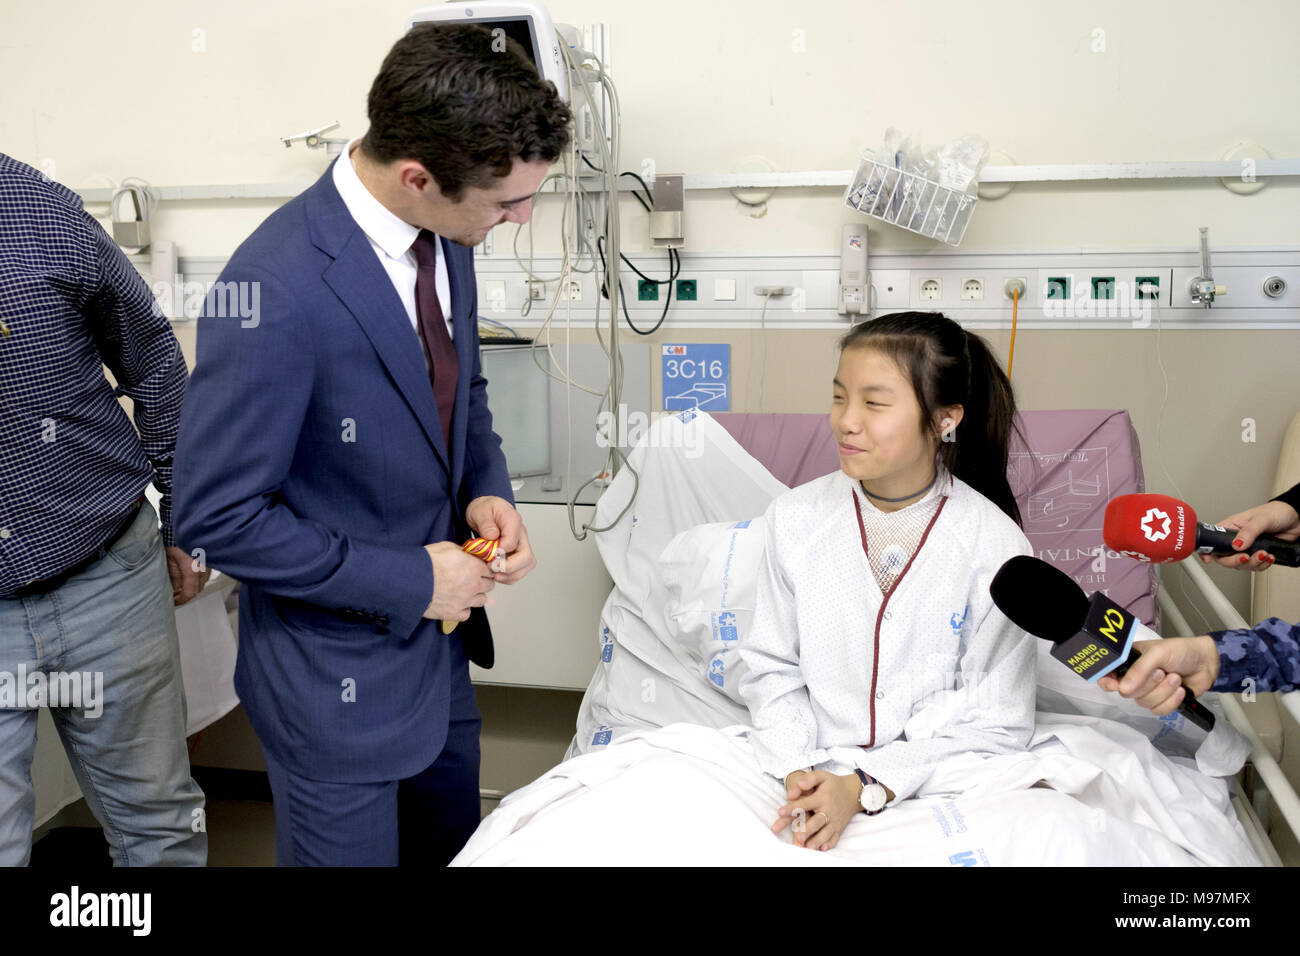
(1148, 524)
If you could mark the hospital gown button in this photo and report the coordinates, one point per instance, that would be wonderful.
(887, 615)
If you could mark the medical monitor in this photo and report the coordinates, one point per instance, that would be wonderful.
(523, 21)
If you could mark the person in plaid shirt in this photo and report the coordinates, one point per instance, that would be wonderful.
(88, 574)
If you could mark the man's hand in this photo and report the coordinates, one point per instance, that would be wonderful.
(186, 582)
(823, 803)
(495, 518)
(1167, 669)
(460, 582)
(1274, 517)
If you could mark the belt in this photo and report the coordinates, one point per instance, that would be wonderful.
(46, 585)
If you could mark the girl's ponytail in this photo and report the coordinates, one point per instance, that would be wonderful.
(979, 456)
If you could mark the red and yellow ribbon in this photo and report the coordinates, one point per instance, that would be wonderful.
(479, 548)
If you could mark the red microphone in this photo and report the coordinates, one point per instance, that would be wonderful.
(1159, 529)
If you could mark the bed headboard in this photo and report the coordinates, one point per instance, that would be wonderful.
(1074, 462)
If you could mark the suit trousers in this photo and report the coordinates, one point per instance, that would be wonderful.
(422, 820)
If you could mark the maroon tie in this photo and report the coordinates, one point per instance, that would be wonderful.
(438, 348)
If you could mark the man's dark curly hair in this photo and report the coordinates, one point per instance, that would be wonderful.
(463, 104)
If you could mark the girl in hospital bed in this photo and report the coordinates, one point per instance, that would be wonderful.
(876, 653)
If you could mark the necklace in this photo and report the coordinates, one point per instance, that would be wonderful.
(904, 498)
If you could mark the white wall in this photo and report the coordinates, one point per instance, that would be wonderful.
(209, 88)
(186, 92)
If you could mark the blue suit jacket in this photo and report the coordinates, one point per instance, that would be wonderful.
(311, 466)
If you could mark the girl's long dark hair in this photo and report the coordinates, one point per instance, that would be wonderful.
(949, 366)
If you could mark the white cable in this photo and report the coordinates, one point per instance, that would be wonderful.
(144, 198)
(1160, 419)
(762, 328)
(1160, 452)
(609, 165)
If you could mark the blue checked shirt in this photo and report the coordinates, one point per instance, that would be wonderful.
(1268, 654)
(71, 463)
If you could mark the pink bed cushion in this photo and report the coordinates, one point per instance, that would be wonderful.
(794, 447)
(1078, 461)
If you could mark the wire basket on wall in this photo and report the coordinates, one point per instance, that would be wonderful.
(909, 201)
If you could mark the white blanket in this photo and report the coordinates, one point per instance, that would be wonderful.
(687, 795)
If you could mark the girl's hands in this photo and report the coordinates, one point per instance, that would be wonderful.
(820, 805)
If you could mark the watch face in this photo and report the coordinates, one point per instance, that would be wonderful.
(873, 797)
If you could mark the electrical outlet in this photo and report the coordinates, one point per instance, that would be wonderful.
(495, 294)
(1103, 287)
(686, 290)
(931, 290)
(647, 290)
(1058, 287)
(536, 289)
(890, 289)
(972, 289)
(1147, 287)
(575, 290)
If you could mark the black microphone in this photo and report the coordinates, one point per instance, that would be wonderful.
(1093, 636)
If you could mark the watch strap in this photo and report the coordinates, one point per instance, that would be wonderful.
(867, 781)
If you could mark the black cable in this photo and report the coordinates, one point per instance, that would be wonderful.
(674, 261)
(674, 270)
(646, 203)
(643, 185)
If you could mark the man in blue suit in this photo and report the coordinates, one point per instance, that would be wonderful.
(336, 448)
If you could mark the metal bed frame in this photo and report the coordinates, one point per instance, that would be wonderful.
(1267, 775)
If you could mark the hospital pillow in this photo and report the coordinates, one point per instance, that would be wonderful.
(711, 575)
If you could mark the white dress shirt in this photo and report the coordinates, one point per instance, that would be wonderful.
(391, 238)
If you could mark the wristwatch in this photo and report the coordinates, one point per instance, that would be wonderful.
(873, 796)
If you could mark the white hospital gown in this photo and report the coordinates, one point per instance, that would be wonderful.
(841, 676)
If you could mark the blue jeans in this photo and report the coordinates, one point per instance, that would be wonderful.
(111, 625)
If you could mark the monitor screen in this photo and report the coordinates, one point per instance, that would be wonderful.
(519, 29)
(519, 397)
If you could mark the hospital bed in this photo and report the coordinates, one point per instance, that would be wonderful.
(660, 770)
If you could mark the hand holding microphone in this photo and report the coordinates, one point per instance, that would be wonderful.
(1276, 517)
(1160, 529)
(1092, 635)
(1167, 671)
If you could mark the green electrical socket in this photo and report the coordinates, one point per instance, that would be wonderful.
(1103, 287)
(1148, 287)
(647, 291)
(686, 290)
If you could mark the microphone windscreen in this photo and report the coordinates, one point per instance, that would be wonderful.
(1155, 528)
(1039, 598)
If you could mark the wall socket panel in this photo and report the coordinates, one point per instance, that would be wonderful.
(897, 280)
